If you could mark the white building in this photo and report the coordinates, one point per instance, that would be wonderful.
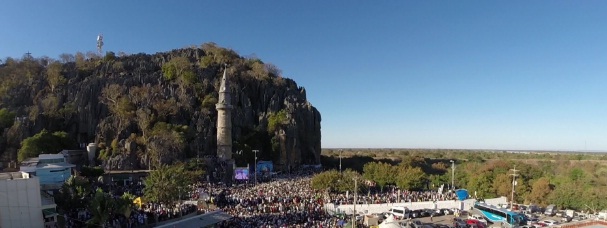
(52, 169)
(22, 203)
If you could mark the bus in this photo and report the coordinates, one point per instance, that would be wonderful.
(495, 214)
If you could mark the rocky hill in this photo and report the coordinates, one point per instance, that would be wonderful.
(143, 110)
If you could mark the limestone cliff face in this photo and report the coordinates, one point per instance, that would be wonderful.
(147, 100)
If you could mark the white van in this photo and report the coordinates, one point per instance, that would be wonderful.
(550, 210)
(400, 212)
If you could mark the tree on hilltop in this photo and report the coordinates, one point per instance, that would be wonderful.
(44, 142)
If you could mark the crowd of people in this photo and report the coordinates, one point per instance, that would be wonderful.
(149, 213)
(390, 196)
(284, 201)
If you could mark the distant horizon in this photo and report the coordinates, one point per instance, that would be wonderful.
(522, 150)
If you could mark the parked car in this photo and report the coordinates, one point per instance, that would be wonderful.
(475, 223)
(550, 222)
(425, 213)
(579, 217)
(463, 213)
(566, 219)
(459, 223)
(532, 208)
(479, 218)
(415, 214)
(540, 224)
(531, 220)
(432, 212)
(447, 211)
(416, 224)
(400, 212)
(550, 210)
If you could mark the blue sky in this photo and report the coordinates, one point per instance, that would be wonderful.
(383, 74)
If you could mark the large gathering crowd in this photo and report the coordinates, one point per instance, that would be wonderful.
(283, 201)
(290, 201)
(148, 213)
(391, 196)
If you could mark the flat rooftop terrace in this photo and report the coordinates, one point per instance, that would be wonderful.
(14, 176)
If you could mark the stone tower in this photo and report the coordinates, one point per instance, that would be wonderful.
(224, 129)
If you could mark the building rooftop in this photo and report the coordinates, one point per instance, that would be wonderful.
(14, 176)
(30, 162)
(50, 156)
(44, 161)
(56, 165)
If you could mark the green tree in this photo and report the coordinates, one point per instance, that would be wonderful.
(502, 185)
(594, 199)
(380, 173)
(540, 191)
(164, 184)
(414, 161)
(326, 180)
(43, 142)
(54, 77)
(482, 185)
(91, 172)
(166, 142)
(566, 195)
(577, 174)
(103, 206)
(209, 101)
(346, 181)
(410, 178)
(7, 118)
(179, 68)
(73, 193)
(277, 120)
(119, 104)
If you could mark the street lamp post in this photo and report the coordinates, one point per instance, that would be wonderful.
(513, 184)
(453, 175)
(255, 151)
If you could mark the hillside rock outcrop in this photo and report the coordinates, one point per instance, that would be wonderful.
(146, 109)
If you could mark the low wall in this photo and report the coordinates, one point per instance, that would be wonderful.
(597, 223)
(379, 208)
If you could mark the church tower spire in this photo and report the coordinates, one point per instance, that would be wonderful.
(224, 120)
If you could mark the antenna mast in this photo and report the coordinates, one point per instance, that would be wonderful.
(100, 43)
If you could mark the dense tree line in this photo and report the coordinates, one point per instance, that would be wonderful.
(573, 184)
(77, 192)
